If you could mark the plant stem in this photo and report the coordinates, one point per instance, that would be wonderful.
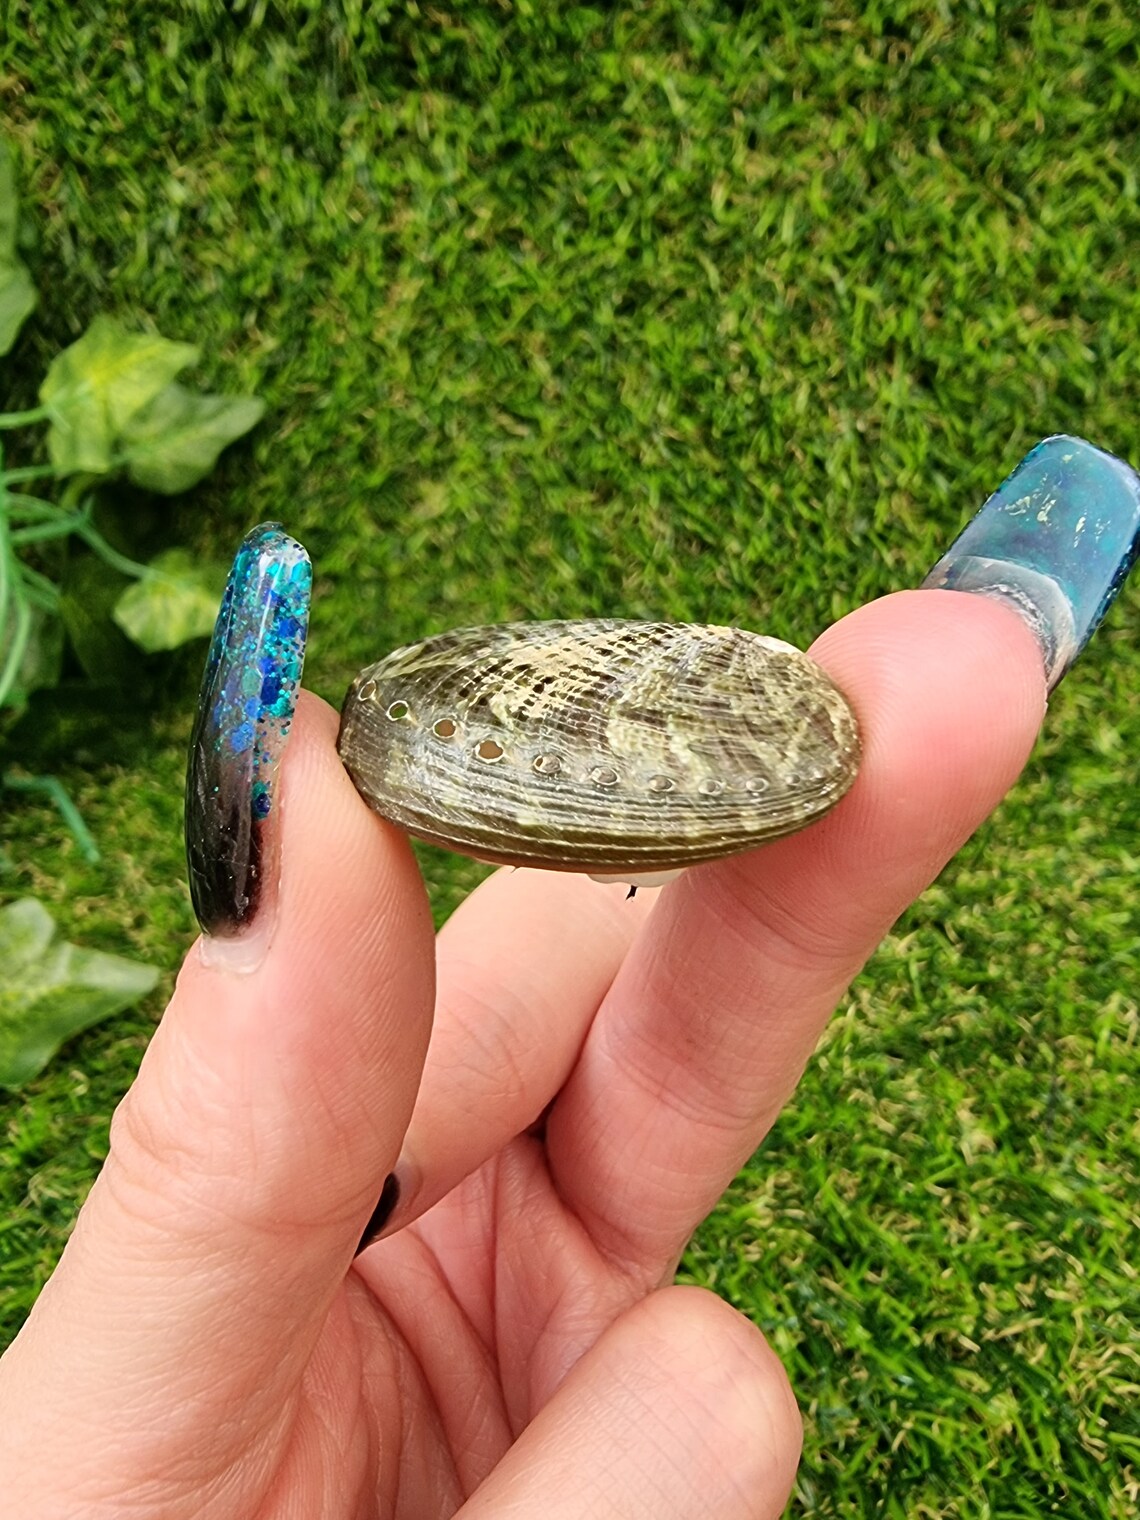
(39, 591)
(95, 540)
(45, 530)
(9, 571)
(30, 504)
(30, 472)
(54, 788)
(20, 637)
(25, 419)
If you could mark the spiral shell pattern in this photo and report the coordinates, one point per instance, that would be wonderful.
(604, 746)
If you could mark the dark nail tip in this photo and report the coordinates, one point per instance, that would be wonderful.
(389, 1198)
(245, 708)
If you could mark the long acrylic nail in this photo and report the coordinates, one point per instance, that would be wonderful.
(1056, 541)
(245, 709)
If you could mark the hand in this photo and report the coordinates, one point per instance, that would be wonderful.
(209, 1348)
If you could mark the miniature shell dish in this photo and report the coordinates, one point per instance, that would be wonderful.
(627, 750)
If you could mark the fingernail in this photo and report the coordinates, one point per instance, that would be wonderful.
(1055, 541)
(389, 1198)
(245, 709)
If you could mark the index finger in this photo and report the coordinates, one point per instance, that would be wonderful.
(718, 1006)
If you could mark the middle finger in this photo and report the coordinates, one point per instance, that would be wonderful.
(522, 967)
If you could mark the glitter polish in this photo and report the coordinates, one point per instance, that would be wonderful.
(245, 709)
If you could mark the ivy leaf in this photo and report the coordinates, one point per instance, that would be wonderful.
(17, 293)
(98, 385)
(177, 599)
(17, 301)
(175, 440)
(50, 990)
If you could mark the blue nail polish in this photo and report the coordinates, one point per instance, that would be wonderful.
(245, 707)
(1056, 540)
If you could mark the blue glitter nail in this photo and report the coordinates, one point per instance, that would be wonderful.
(1056, 540)
(245, 708)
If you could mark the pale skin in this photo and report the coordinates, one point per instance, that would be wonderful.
(208, 1347)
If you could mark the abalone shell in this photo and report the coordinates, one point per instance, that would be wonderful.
(605, 746)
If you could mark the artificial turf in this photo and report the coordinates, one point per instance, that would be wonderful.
(688, 310)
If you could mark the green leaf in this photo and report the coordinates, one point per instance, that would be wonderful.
(176, 600)
(99, 384)
(17, 301)
(176, 440)
(17, 293)
(50, 990)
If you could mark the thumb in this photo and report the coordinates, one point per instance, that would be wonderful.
(247, 1156)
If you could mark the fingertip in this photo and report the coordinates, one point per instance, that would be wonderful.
(950, 692)
(350, 883)
(956, 639)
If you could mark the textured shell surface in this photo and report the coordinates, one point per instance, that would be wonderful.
(605, 746)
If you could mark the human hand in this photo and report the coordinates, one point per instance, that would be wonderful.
(207, 1346)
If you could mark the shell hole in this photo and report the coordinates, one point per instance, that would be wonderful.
(489, 750)
(711, 788)
(660, 784)
(398, 710)
(444, 729)
(604, 775)
(757, 785)
(366, 691)
(547, 765)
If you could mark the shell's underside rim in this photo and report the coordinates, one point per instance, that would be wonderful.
(603, 746)
(587, 854)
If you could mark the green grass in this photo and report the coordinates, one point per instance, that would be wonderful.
(664, 309)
